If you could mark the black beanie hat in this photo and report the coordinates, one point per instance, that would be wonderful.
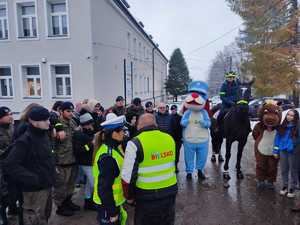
(148, 104)
(39, 113)
(4, 111)
(67, 106)
(119, 98)
(137, 101)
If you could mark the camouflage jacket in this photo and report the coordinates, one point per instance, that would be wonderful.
(6, 133)
(63, 149)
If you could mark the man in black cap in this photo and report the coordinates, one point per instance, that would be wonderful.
(66, 167)
(6, 128)
(133, 112)
(176, 132)
(6, 136)
(119, 108)
(30, 164)
(149, 107)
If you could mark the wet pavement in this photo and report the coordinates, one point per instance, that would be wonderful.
(209, 203)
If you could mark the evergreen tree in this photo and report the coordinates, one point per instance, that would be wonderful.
(270, 39)
(178, 78)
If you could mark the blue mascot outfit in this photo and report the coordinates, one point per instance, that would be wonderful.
(196, 122)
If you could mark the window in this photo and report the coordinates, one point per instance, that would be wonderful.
(32, 81)
(61, 80)
(57, 17)
(6, 86)
(26, 18)
(3, 21)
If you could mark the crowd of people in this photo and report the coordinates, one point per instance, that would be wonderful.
(123, 154)
(46, 153)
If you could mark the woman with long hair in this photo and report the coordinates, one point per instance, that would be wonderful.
(284, 149)
(107, 165)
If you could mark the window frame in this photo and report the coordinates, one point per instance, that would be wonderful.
(52, 85)
(48, 21)
(4, 2)
(19, 21)
(7, 78)
(23, 78)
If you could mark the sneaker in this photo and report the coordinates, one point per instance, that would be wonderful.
(189, 176)
(283, 191)
(260, 185)
(291, 194)
(269, 185)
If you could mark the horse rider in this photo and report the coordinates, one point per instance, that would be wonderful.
(228, 94)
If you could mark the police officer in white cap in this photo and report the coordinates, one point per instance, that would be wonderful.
(108, 192)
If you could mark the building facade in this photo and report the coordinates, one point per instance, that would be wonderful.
(72, 50)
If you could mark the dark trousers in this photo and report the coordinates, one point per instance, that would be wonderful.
(157, 212)
(178, 145)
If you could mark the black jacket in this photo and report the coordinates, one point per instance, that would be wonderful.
(20, 129)
(30, 162)
(83, 147)
(163, 122)
(176, 128)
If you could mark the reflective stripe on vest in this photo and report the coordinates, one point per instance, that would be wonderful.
(157, 170)
(117, 185)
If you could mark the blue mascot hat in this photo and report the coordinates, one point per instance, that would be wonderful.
(199, 87)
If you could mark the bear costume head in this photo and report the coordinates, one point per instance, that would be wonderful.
(197, 97)
(270, 114)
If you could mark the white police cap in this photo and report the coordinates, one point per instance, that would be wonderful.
(113, 121)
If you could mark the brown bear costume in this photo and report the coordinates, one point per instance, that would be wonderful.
(264, 134)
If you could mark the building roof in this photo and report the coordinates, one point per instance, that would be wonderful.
(124, 8)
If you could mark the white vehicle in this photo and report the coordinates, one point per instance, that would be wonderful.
(215, 100)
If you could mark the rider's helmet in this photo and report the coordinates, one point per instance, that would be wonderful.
(231, 75)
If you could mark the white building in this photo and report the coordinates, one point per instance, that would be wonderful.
(75, 49)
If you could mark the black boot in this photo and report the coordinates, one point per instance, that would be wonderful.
(189, 176)
(201, 175)
(64, 210)
(71, 205)
(89, 204)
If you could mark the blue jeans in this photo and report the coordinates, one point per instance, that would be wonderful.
(89, 185)
(288, 168)
(201, 151)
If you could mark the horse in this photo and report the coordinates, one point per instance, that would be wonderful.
(235, 127)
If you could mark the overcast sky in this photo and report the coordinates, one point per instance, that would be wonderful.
(188, 25)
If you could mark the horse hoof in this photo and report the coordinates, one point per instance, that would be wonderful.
(226, 176)
(220, 158)
(213, 159)
(226, 185)
(240, 175)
